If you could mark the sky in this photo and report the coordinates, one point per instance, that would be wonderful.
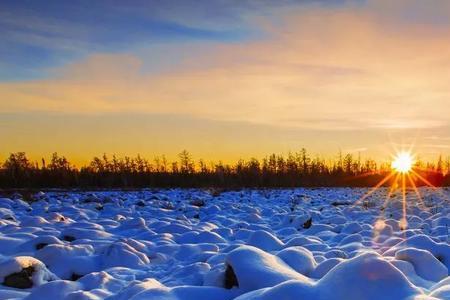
(224, 79)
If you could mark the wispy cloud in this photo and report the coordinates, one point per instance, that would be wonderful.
(356, 150)
(438, 146)
(437, 138)
(50, 33)
(351, 72)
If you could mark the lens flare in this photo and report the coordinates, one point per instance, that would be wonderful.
(402, 163)
(404, 171)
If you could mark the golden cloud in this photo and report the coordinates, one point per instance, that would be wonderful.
(316, 68)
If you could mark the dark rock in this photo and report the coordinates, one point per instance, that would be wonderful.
(216, 192)
(337, 203)
(167, 205)
(307, 224)
(75, 276)
(20, 280)
(230, 278)
(69, 238)
(40, 246)
(198, 202)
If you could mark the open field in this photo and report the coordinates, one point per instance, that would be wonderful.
(244, 245)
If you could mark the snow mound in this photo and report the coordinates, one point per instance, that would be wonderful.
(255, 269)
(426, 265)
(24, 272)
(299, 259)
(440, 250)
(365, 277)
(265, 241)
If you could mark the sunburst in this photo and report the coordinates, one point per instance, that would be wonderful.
(403, 162)
(403, 172)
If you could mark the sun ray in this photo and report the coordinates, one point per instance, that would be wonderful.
(365, 196)
(380, 223)
(416, 190)
(436, 189)
(413, 143)
(406, 178)
(388, 196)
(424, 180)
(393, 145)
(427, 170)
(403, 222)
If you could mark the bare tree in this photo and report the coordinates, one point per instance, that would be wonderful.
(186, 162)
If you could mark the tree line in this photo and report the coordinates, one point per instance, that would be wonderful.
(297, 169)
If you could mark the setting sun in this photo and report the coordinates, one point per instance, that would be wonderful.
(403, 162)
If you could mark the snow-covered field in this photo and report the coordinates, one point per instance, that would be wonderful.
(244, 245)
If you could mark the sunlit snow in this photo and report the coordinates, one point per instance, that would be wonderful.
(244, 245)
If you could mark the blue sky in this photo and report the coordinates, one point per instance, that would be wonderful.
(40, 35)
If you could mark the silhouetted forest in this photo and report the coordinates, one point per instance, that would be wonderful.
(298, 169)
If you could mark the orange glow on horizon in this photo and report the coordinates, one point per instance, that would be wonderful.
(403, 168)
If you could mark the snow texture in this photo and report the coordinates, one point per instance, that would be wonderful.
(244, 245)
